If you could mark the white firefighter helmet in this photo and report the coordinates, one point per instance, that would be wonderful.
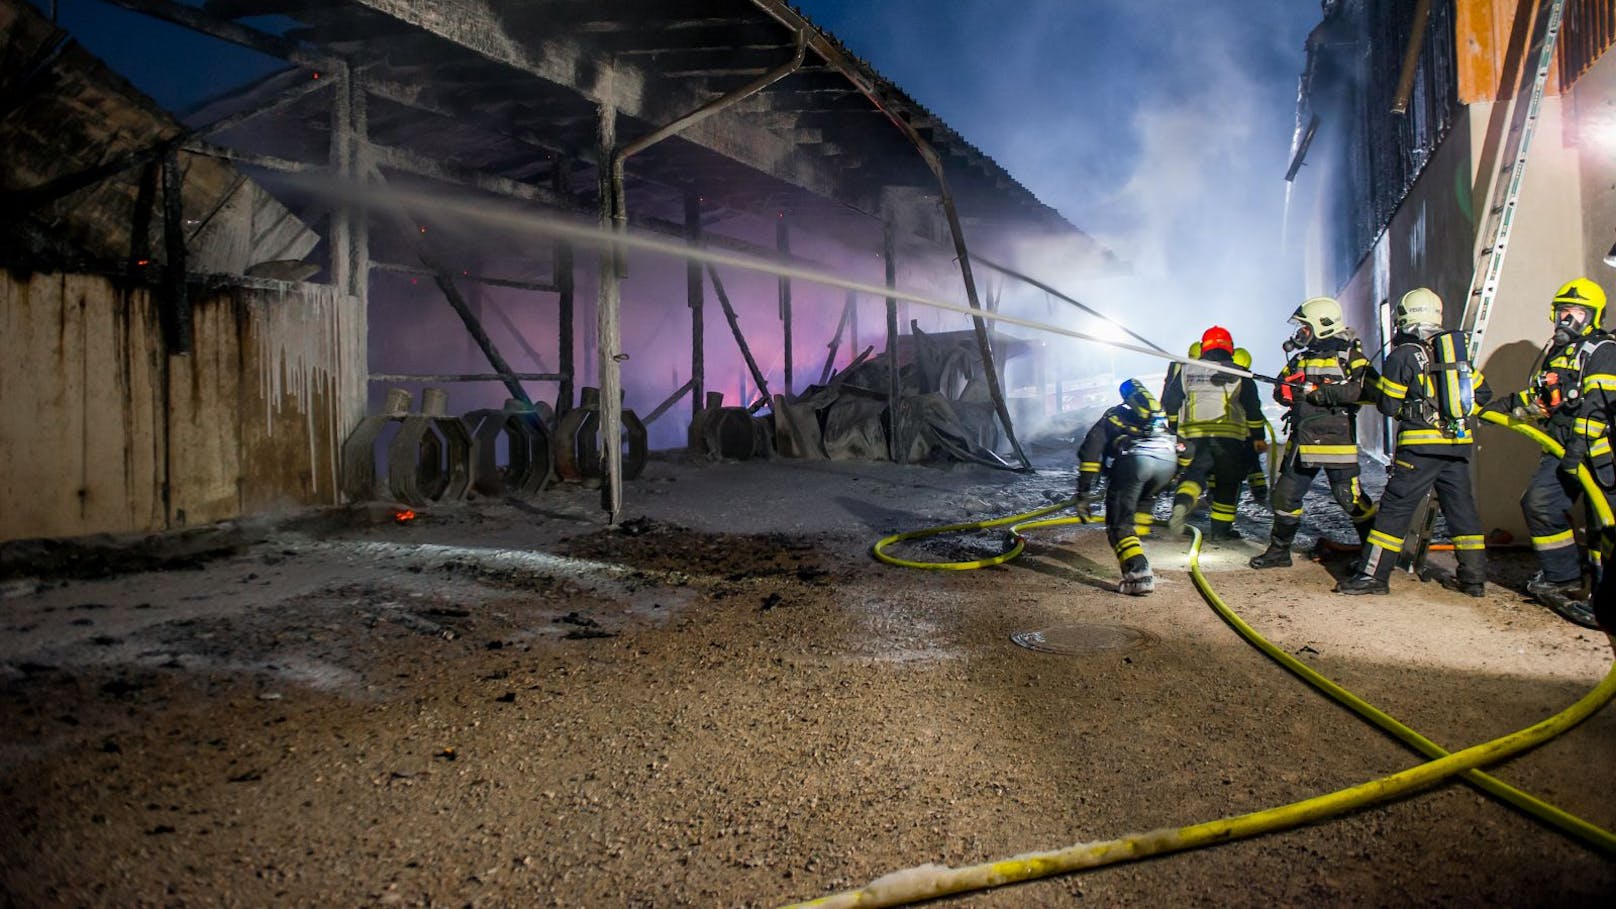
(1419, 308)
(1322, 317)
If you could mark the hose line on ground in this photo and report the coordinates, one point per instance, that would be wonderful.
(930, 881)
(1015, 520)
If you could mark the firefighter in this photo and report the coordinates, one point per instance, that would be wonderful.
(1130, 445)
(1573, 393)
(1323, 382)
(1256, 475)
(1427, 385)
(1186, 449)
(1219, 416)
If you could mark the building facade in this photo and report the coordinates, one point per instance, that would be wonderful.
(1387, 201)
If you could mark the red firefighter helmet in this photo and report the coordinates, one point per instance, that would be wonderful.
(1217, 338)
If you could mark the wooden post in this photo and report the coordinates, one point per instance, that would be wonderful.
(563, 278)
(606, 320)
(852, 321)
(339, 241)
(898, 450)
(176, 300)
(782, 242)
(836, 341)
(359, 169)
(695, 293)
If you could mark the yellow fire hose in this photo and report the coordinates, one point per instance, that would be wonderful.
(930, 881)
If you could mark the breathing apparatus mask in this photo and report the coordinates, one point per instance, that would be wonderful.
(1300, 339)
(1571, 323)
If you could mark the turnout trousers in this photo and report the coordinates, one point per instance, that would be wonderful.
(1410, 477)
(1136, 479)
(1224, 462)
(1293, 483)
(1547, 502)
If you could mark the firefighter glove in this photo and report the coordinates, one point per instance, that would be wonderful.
(1571, 460)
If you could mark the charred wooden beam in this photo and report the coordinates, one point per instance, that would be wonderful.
(267, 162)
(735, 329)
(464, 377)
(402, 268)
(836, 340)
(669, 401)
(895, 440)
(782, 241)
(695, 298)
(233, 32)
(562, 272)
(409, 162)
(607, 333)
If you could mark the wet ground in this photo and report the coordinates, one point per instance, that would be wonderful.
(724, 700)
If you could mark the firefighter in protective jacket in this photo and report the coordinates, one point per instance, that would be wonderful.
(1573, 393)
(1216, 413)
(1324, 381)
(1131, 446)
(1428, 387)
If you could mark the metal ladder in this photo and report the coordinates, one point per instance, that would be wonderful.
(1506, 192)
(1493, 241)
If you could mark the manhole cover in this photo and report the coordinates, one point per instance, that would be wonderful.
(1077, 640)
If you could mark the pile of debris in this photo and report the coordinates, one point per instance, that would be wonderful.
(943, 405)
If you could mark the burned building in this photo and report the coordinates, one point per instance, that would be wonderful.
(202, 307)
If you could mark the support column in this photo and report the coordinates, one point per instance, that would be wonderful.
(782, 242)
(562, 274)
(176, 300)
(896, 449)
(695, 290)
(359, 217)
(339, 240)
(611, 386)
(853, 347)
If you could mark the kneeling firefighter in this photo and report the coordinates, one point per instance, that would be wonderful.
(1219, 416)
(1573, 393)
(1427, 384)
(1323, 382)
(1131, 446)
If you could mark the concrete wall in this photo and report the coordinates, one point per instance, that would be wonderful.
(96, 419)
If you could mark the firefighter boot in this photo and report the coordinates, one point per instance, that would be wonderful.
(1547, 591)
(1137, 579)
(1360, 584)
(1275, 556)
(1471, 579)
(1182, 505)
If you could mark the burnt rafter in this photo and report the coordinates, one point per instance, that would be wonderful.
(535, 72)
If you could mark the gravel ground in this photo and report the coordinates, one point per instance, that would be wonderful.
(724, 700)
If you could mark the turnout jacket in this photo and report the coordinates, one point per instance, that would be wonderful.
(1574, 392)
(1208, 404)
(1118, 432)
(1408, 394)
(1324, 421)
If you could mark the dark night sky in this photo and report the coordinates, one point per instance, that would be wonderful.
(1161, 127)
